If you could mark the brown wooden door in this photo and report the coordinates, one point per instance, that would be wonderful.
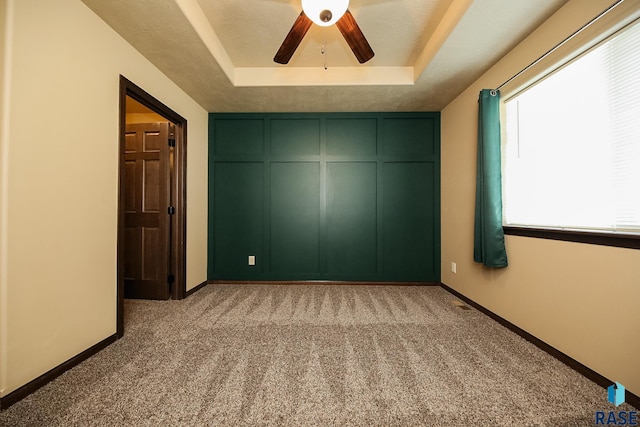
(146, 216)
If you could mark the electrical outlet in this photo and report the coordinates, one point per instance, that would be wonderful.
(454, 267)
(252, 260)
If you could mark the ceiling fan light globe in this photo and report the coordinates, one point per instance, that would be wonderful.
(316, 10)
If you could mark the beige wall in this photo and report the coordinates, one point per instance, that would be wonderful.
(3, 191)
(582, 299)
(60, 183)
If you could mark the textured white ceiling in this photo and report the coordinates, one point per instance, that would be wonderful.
(251, 35)
(427, 51)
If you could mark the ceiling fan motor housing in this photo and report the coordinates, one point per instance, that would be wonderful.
(325, 12)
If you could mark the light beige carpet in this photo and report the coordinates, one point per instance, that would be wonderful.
(305, 355)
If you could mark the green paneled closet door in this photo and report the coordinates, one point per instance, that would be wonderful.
(352, 197)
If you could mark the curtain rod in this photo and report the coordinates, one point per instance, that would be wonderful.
(553, 49)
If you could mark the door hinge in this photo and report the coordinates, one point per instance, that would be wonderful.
(172, 142)
(171, 210)
(171, 279)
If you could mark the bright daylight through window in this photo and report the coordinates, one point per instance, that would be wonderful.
(572, 146)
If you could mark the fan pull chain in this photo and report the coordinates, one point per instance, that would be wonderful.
(323, 50)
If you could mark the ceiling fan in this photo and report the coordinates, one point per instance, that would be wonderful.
(325, 13)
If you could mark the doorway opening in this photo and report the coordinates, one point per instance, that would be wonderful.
(151, 200)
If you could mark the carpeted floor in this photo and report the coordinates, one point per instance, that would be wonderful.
(304, 355)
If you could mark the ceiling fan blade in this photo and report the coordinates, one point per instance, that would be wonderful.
(354, 37)
(293, 39)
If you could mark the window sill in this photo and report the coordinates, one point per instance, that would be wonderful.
(619, 240)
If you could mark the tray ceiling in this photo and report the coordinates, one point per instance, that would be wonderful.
(221, 51)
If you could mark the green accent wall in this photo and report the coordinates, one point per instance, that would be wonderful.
(324, 196)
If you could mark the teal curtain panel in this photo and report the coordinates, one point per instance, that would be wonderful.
(489, 248)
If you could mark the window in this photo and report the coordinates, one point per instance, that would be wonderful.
(572, 146)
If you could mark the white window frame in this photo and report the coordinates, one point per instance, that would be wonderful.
(561, 56)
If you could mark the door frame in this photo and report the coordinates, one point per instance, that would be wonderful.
(178, 259)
